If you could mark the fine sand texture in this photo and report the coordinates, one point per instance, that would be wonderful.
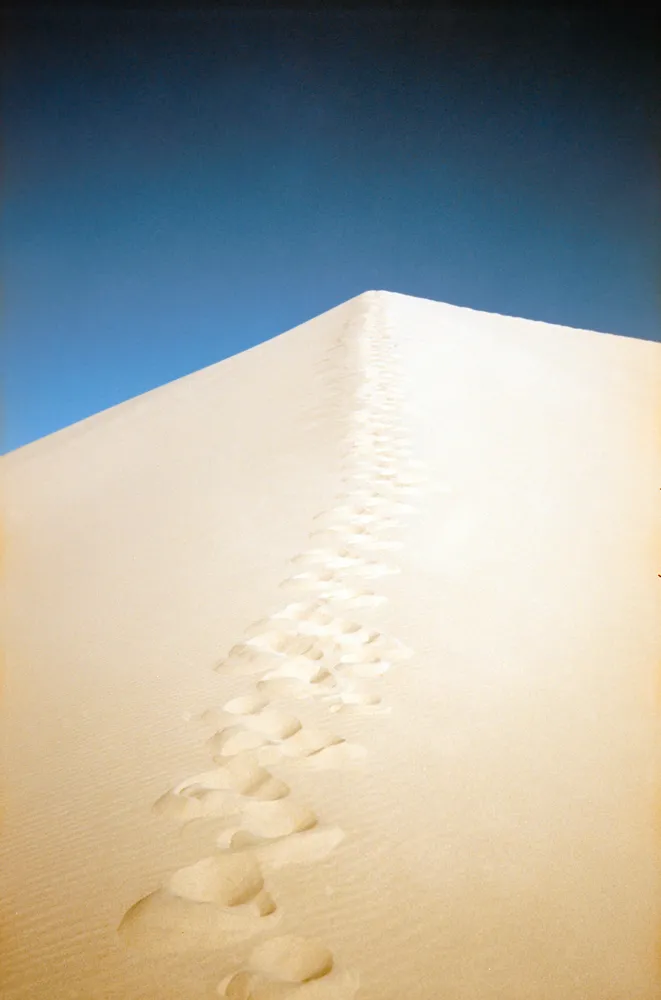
(333, 671)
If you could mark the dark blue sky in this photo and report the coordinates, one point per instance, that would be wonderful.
(181, 187)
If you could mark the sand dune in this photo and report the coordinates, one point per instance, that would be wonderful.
(333, 673)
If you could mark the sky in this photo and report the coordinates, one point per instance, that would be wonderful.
(180, 186)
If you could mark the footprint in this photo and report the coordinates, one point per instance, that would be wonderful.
(353, 635)
(315, 580)
(362, 541)
(291, 741)
(290, 968)
(314, 749)
(350, 563)
(304, 743)
(339, 591)
(214, 793)
(285, 687)
(344, 509)
(354, 535)
(355, 598)
(292, 959)
(339, 631)
(303, 847)
(410, 480)
(195, 803)
(313, 619)
(321, 687)
(259, 731)
(306, 651)
(298, 670)
(308, 742)
(368, 669)
(380, 647)
(332, 558)
(258, 652)
(260, 628)
(273, 723)
(281, 641)
(338, 518)
(372, 570)
(362, 475)
(361, 708)
(365, 499)
(240, 775)
(369, 542)
(225, 878)
(235, 740)
(167, 923)
(371, 422)
(373, 454)
(368, 437)
(268, 820)
(357, 695)
(299, 610)
(243, 660)
(248, 705)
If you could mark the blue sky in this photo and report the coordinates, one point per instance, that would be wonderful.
(180, 188)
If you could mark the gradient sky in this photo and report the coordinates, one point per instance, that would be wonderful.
(179, 188)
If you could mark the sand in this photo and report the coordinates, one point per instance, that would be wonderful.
(332, 671)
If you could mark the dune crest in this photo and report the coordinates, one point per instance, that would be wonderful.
(333, 673)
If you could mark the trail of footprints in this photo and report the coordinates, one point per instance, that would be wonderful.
(307, 650)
